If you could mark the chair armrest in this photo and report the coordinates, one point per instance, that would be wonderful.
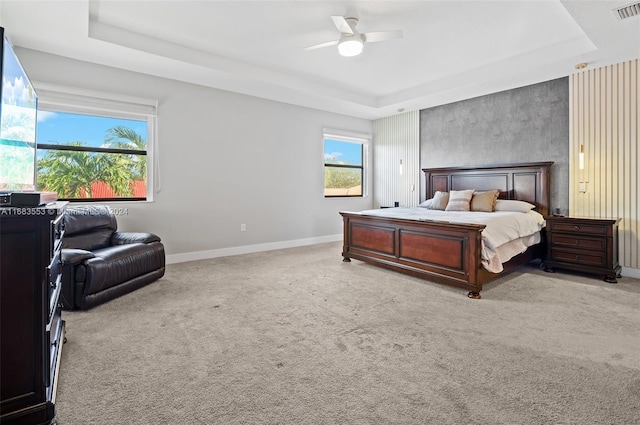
(73, 257)
(123, 238)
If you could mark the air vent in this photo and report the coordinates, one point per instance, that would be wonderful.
(628, 11)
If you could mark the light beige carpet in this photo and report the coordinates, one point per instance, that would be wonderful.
(299, 337)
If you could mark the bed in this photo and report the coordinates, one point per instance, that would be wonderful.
(442, 251)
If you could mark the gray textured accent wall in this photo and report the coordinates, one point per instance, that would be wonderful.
(526, 124)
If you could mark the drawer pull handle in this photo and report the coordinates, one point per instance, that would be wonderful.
(577, 227)
(577, 257)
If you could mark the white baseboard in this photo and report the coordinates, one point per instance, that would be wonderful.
(629, 272)
(247, 249)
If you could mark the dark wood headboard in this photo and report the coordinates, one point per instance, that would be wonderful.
(529, 182)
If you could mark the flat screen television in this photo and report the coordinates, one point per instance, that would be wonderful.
(18, 115)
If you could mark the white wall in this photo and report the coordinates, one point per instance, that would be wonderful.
(397, 138)
(225, 159)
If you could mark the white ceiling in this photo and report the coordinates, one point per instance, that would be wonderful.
(451, 50)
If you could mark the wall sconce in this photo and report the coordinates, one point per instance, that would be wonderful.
(400, 167)
(582, 186)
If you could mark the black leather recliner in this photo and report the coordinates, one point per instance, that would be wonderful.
(99, 263)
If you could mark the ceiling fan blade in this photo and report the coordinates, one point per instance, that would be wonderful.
(343, 26)
(318, 46)
(372, 37)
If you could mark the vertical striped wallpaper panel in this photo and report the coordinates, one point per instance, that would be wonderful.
(604, 111)
(396, 160)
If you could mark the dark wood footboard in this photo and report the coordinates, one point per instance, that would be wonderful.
(438, 251)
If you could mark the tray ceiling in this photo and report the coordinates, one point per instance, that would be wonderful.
(450, 50)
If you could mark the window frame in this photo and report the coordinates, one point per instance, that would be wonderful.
(62, 99)
(348, 137)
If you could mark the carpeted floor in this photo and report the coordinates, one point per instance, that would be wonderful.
(298, 337)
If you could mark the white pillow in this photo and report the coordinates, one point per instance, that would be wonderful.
(426, 204)
(513, 205)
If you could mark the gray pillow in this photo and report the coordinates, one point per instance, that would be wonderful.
(426, 204)
(440, 200)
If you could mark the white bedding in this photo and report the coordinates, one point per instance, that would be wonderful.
(506, 233)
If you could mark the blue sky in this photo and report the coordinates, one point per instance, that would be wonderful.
(62, 128)
(343, 152)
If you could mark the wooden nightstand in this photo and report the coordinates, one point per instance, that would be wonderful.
(588, 245)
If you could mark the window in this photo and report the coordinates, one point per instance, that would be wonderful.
(343, 167)
(93, 148)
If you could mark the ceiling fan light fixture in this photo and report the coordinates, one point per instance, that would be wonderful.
(350, 46)
(351, 42)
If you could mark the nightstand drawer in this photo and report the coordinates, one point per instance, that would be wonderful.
(578, 228)
(579, 257)
(561, 240)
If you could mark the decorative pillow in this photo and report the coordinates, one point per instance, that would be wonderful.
(513, 205)
(440, 200)
(459, 200)
(426, 204)
(484, 201)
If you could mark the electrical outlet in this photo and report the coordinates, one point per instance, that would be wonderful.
(243, 227)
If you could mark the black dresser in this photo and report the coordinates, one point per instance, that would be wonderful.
(32, 329)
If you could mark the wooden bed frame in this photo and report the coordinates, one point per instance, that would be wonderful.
(447, 252)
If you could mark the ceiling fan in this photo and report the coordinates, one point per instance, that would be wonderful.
(351, 41)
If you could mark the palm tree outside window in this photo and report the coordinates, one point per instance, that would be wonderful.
(91, 158)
